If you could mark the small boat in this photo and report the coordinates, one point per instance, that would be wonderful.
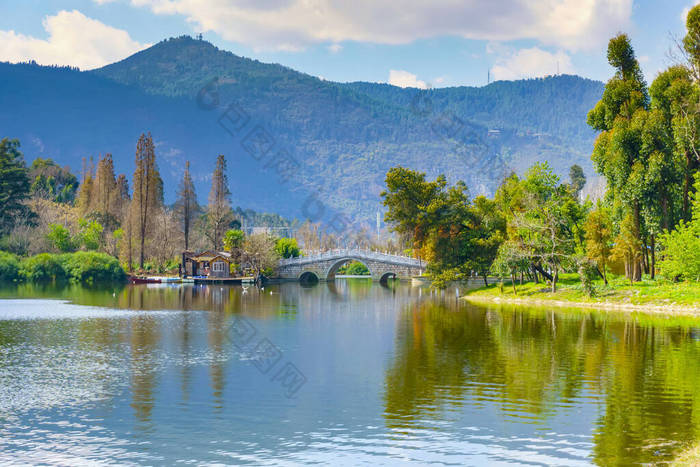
(170, 280)
(144, 280)
(187, 280)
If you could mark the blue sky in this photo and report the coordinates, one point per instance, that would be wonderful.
(409, 43)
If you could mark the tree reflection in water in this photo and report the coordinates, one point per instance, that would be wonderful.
(535, 364)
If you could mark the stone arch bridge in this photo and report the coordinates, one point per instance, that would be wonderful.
(324, 265)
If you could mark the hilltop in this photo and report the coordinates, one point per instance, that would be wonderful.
(344, 136)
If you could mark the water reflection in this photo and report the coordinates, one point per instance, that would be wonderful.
(535, 365)
(394, 373)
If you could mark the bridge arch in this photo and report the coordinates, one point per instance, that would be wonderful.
(330, 275)
(387, 276)
(309, 277)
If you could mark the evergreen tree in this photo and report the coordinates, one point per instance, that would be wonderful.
(14, 184)
(618, 153)
(147, 197)
(577, 179)
(186, 206)
(219, 213)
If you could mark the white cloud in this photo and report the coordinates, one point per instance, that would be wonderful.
(568, 24)
(74, 39)
(530, 63)
(404, 79)
(335, 48)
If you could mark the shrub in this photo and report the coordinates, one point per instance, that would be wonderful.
(59, 236)
(588, 272)
(9, 267)
(43, 267)
(91, 267)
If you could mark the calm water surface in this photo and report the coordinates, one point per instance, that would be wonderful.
(345, 373)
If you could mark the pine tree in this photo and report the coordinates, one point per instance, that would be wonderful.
(219, 212)
(14, 184)
(147, 197)
(186, 206)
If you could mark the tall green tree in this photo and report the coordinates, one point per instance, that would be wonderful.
(617, 153)
(577, 179)
(14, 185)
(186, 206)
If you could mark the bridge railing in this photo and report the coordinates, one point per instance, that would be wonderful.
(311, 256)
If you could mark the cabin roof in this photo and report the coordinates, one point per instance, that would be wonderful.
(211, 255)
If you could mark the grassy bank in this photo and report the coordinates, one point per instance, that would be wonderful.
(688, 458)
(82, 266)
(619, 293)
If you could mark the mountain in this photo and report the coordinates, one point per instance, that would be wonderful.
(296, 145)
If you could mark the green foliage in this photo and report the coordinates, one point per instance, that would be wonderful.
(577, 178)
(60, 238)
(92, 267)
(287, 248)
(354, 268)
(43, 267)
(681, 249)
(599, 237)
(14, 185)
(90, 234)
(9, 267)
(52, 182)
(233, 239)
(588, 272)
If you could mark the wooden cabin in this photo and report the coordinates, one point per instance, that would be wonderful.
(211, 264)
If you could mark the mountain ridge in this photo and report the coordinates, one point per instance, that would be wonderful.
(344, 136)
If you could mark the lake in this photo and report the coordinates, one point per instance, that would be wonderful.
(347, 372)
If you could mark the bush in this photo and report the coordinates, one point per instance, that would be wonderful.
(91, 267)
(588, 272)
(59, 236)
(9, 267)
(43, 267)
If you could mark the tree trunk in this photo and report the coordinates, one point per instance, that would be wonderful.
(486, 281)
(554, 279)
(544, 273)
(512, 281)
(645, 256)
(653, 256)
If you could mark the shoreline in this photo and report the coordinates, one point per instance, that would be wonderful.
(671, 309)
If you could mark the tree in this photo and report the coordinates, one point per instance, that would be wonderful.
(14, 185)
(599, 236)
(628, 247)
(52, 182)
(489, 232)
(287, 247)
(90, 234)
(147, 198)
(186, 207)
(259, 252)
(407, 197)
(577, 179)
(233, 240)
(219, 213)
(618, 153)
(104, 194)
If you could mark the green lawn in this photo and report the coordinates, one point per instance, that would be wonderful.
(619, 290)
